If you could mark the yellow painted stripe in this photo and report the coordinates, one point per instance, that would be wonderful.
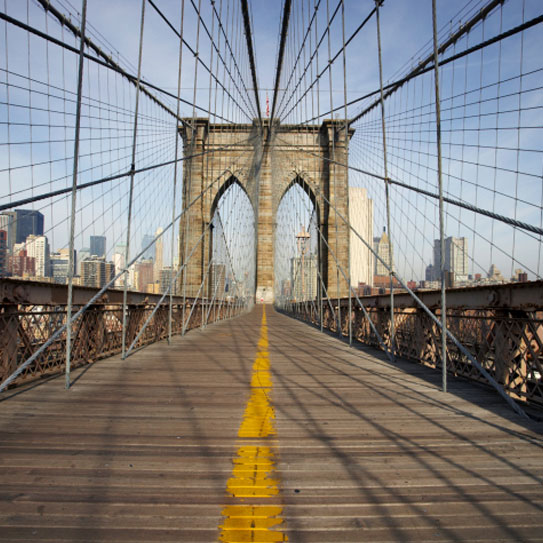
(254, 463)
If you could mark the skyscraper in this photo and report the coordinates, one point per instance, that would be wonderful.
(98, 246)
(303, 277)
(60, 263)
(150, 252)
(167, 274)
(96, 272)
(383, 250)
(159, 255)
(20, 264)
(27, 222)
(119, 262)
(456, 258)
(361, 219)
(3, 253)
(37, 247)
(144, 270)
(7, 223)
(83, 254)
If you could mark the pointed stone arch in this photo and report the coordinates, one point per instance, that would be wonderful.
(215, 154)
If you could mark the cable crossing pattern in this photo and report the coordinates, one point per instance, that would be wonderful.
(393, 197)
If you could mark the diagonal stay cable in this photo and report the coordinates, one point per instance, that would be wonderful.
(96, 296)
(315, 52)
(227, 43)
(458, 203)
(248, 36)
(112, 66)
(427, 64)
(293, 71)
(280, 56)
(331, 61)
(395, 85)
(198, 58)
(58, 192)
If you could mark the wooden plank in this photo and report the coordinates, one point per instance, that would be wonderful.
(366, 450)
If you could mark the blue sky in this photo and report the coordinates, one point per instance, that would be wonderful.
(406, 37)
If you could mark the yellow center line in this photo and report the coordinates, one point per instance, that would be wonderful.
(254, 463)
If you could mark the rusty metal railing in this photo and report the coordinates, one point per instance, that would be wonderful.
(501, 326)
(26, 326)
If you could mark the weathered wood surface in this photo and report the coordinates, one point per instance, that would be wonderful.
(141, 450)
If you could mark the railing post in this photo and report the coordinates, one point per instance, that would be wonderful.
(441, 218)
(71, 262)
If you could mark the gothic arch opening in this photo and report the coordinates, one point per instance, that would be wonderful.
(297, 247)
(232, 180)
(232, 246)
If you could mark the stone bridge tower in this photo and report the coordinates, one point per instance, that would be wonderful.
(265, 161)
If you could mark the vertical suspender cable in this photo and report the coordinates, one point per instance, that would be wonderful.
(71, 262)
(387, 187)
(211, 49)
(346, 143)
(132, 174)
(193, 142)
(187, 184)
(333, 165)
(441, 219)
(322, 204)
(180, 65)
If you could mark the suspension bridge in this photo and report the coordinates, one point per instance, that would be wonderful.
(271, 272)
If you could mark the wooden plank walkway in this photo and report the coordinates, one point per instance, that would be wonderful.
(345, 447)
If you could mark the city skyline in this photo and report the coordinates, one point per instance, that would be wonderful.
(95, 264)
(34, 258)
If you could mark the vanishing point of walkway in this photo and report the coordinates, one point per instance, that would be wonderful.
(264, 429)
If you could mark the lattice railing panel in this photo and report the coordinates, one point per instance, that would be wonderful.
(96, 334)
(507, 343)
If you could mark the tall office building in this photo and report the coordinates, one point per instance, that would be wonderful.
(456, 258)
(83, 254)
(159, 254)
(149, 252)
(3, 253)
(7, 223)
(144, 271)
(27, 223)
(383, 250)
(119, 262)
(37, 247)
(165, 279)
(96, 272)
(361, 219)
(133, 276)
(19, 263)
(303, 277)
(60, 263)
(98, 246)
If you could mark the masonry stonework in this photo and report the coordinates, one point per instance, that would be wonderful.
(265, 161)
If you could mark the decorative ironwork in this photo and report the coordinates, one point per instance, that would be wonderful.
(508, 342)
(97, 334)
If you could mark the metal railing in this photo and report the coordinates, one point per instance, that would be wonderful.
(505, 335)
(26, 326)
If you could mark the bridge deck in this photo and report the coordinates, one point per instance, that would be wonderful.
(147, 449)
